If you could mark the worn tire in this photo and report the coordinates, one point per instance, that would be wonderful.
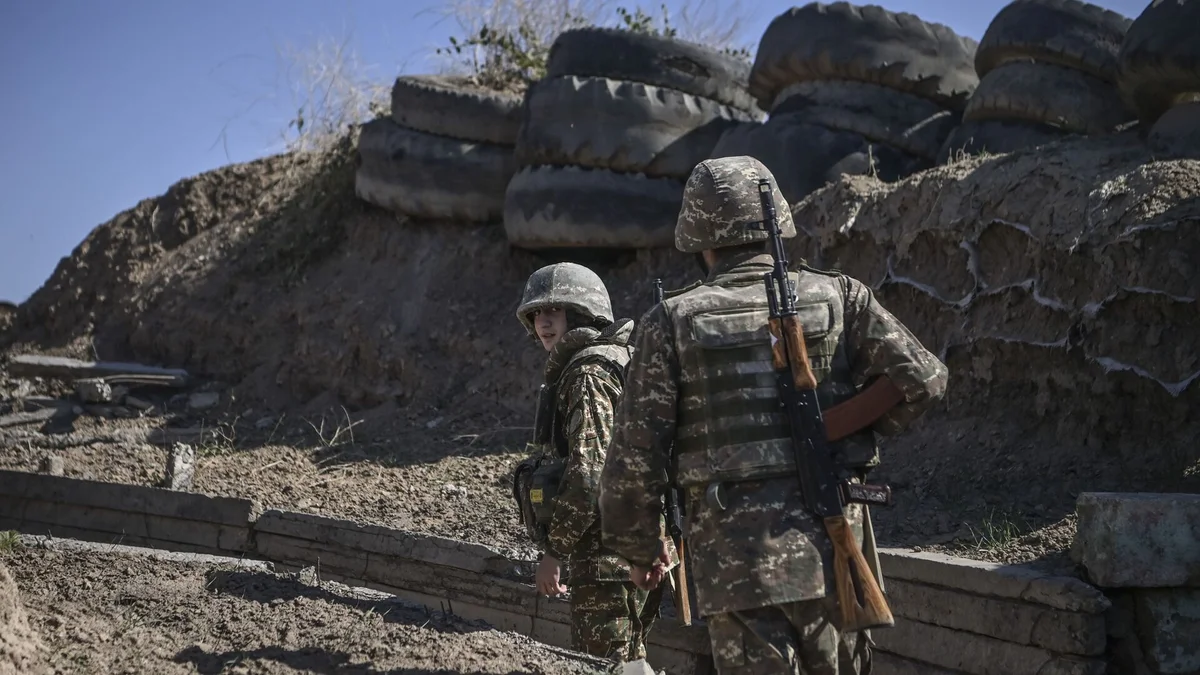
(621, 126)
(1068, 33)
(451, 107)
(840, 41)
(997, 137)
(1160, 58)
(431, 177)
(910, 123)
(570, 207)
(1065, 98)
(1176, 133)
(804, 157)
(651, 59)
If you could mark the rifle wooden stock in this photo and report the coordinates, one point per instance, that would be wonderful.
(682, 603)
(853, 578)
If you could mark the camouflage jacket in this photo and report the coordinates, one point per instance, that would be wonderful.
(586, 394)
(764, 548)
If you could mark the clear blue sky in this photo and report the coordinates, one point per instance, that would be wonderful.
(108, 102)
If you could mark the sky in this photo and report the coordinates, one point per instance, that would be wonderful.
(109, 102)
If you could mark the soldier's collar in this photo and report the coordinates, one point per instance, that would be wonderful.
(727, 264)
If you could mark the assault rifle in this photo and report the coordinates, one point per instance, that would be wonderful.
(825, 493)
(675, 521)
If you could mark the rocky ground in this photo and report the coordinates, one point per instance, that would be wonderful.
(111, 612)
(371, 367)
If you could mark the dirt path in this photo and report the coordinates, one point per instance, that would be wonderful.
(101, 612)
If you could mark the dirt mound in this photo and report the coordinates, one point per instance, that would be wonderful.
(19, 644)
(308, 292)
(1060, 286)
(111, 613)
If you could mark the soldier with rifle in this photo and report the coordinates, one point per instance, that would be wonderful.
(770, 385)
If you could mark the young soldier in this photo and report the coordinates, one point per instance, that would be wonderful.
(702, 377)
(567, 308)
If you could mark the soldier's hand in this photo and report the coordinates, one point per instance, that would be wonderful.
(547, 578)
(649, 579)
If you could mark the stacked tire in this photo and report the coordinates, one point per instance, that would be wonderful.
(445, 153)
(1160, 74)
(853, 89)
(611, 134)
(1048, 71)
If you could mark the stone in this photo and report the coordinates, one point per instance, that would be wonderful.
(203, 400)
(181, 467)
(1169, 624)
(1138, 540)
(94, 390)
(53, 465)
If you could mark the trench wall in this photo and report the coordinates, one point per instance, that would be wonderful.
(953, 615)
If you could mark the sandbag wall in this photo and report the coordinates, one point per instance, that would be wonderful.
(611, 134)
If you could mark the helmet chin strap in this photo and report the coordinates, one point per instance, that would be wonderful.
(701, 262)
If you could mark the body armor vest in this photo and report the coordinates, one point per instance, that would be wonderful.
(730, 426)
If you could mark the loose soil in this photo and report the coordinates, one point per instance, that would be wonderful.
(105, 612)
(1046, 279)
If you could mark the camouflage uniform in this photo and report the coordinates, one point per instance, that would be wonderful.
(610, 617)
(701, 376)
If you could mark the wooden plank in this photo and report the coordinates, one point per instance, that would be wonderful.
(976, 654)
(209, 536)
(1009, 620)
(378, 539)
(58, 531)
(19, 418)
(120, 497)
(453, 583)
(994, 580)
(277, 548)
(36, 365)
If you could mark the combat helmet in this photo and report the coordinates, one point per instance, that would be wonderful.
(565, 285)
(719, 201)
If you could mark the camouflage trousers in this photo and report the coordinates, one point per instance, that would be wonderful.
(796, 637)
(611, 619)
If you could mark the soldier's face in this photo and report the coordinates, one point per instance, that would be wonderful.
(550, 324)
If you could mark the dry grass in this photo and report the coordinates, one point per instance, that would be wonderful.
(331, 92)
(505, 43)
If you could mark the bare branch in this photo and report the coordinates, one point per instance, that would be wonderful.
(331, 90)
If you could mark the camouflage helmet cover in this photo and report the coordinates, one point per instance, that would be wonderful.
(565, 285)
(721, 199)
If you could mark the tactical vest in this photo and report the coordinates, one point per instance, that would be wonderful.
(730, 426)
(537, 479)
